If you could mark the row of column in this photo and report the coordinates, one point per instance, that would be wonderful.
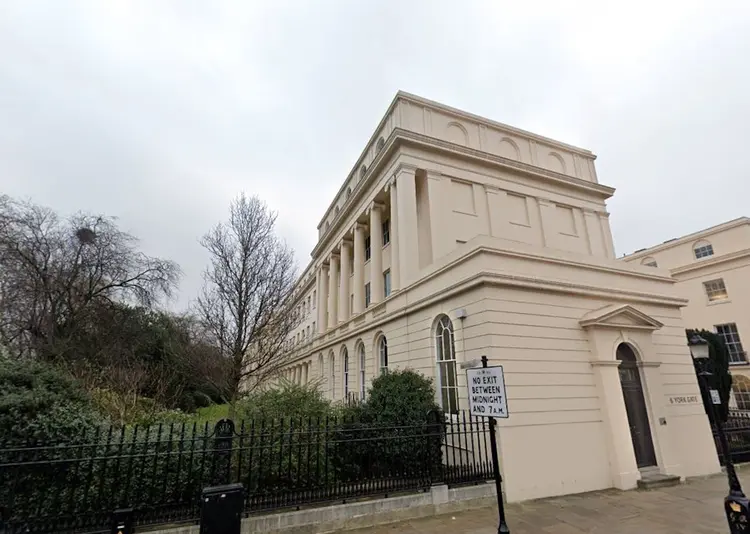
(334, 306)
(299, 374)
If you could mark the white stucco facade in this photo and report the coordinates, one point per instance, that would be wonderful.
(497, 242)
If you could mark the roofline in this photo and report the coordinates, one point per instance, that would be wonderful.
(689, 237)
(512, 129)
(409, 97)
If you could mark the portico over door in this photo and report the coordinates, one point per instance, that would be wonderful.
(635, 405)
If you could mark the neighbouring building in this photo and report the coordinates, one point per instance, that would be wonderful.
(712, 270)
(454, 237)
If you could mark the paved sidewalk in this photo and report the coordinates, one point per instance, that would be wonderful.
(695, 507)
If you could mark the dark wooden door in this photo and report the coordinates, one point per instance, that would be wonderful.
(635, 405)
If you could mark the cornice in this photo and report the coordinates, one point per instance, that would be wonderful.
(532, 171)
(702, 234)
(350, 329)
(712, 261)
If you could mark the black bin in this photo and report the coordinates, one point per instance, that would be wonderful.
(221, 509)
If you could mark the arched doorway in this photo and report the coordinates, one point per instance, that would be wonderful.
(635, 405)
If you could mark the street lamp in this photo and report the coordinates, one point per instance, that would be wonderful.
(736, 505)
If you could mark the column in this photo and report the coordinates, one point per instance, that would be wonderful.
(607, 232)
(359, 268)
(395, 275)
(440, 231)
(408, 245)
(333, 297)
(323, 299)
(376, 253)
(344, 285)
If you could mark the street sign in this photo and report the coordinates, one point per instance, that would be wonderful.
(487, 392)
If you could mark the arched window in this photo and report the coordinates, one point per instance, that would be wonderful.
(649, 262)
(362, 364)
(332, 374)
(381, 144)
(703, 249)
(383, 354)
(362, 171)
(741, 391)
(320, 366)
(348, 192)
(446, 361)
(337, 210)
(345, 359)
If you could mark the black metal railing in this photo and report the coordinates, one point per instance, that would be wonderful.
(159, 471)
(737, 429)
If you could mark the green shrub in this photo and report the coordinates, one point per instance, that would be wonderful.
(393, 433)
(41, 404)
(44, 410)
(287, 401)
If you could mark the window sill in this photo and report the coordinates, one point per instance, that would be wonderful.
(386, 245)
(525, 225)
(739, 364)
(717, 302)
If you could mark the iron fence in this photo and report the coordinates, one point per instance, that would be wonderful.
(159, 471)
(737, 429)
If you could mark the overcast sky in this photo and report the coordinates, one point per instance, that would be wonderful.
(160, 112)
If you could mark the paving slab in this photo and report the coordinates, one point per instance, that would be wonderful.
(695, 506)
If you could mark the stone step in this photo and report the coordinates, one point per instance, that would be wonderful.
(653, 481)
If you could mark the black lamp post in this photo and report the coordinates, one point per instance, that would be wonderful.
(736, 505)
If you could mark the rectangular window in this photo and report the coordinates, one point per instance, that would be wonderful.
(314, 330)
(314, 300)
(387, 283)
(715, 290)
(386, 232)
(703, 251)
(367, 294)
(731, 338)
(367, 249)
(351, 303)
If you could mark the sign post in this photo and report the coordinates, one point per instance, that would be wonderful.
(487, 399)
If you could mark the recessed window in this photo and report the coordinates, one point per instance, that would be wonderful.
(731, 338)
(345, 359)
(703, 250)
(386, 232)
(383, 354)
(348, 192)
(362, 364)
(381, 144)
(362, 171)
(446, 360)
(715, 289)
(387, 283)
(367, 249)
(649, 262)
(314, 300)
(367, 294)
(328, 225)
(337, 210)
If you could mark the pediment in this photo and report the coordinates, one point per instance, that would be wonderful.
(622, 316)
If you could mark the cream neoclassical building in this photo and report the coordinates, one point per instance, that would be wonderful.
(455, 236)
(712, 270)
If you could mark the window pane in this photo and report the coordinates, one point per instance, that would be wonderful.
(446, 399)
(453, 393)
(450, 370)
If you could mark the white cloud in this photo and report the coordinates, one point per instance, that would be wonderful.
(161, 112)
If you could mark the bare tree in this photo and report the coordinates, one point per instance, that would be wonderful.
(246, 302)
(55, 273)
